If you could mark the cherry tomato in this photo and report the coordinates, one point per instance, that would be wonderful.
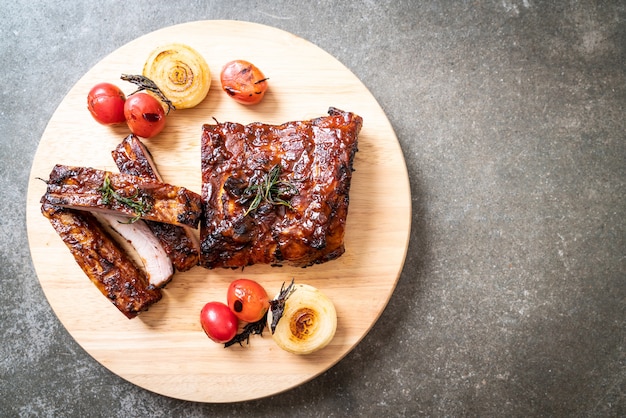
(247, 299)
(243, 81)
(144, 114)
(105, 101)
(218, 322)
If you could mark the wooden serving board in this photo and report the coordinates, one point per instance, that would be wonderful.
(164, 349)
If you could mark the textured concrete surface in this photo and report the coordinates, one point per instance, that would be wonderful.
(511, 116)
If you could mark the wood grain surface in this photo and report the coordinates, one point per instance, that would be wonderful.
(164, 349)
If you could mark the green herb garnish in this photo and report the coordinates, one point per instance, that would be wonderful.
(138, 205)
(270, 189)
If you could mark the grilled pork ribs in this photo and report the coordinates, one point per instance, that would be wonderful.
(271, 194)
(87, 188)
(179, 242)
(103, 260)
(276, 194)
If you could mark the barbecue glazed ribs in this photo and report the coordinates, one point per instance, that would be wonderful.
(102, 260)
(87, 188)
(179, 242)
(276, 194)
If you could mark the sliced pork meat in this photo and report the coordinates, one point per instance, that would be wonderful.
(157, 264)
(91, 189)
(103, 260)
(179, 242)
(132, 157)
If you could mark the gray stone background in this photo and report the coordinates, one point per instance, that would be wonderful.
(511, 117)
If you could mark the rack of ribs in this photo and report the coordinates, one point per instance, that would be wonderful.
(276, 194)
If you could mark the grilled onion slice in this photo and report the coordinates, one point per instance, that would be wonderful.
(308, 323)
(180, 72)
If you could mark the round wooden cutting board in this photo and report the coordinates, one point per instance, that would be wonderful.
(164, 349)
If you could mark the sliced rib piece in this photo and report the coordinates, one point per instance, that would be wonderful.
(102, 260)
(132, 157)
(179, 242)
(298, 217)
(85, 188)
(157, 264)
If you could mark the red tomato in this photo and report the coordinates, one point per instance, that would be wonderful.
(105, 101)
(243, 81)
(247, 299)
(218, 322)
(144, 114)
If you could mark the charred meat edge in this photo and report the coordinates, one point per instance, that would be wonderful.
(103, 261)
(179, 242)
(82, 188)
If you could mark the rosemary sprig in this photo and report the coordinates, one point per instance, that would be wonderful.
(277, 306)
(249, 329)
(139, 206)
(270, 189)
(145, 83)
